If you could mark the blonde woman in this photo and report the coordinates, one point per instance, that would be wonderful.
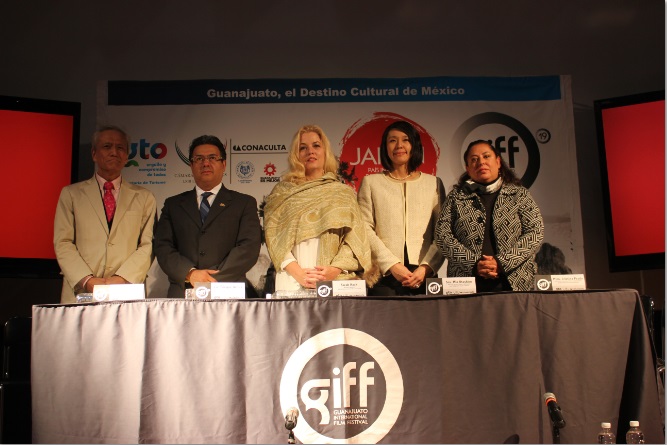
(312, 223)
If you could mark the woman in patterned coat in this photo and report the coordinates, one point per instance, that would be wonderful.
(490, 226)
(313, 226)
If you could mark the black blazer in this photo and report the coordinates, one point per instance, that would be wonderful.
(228, 241)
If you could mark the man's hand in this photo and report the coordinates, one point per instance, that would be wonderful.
(202, 276)
(93, 282)
(116, 279)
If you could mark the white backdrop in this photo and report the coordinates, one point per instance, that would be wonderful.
(529, 118)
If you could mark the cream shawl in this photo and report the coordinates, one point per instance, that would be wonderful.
(326, 209)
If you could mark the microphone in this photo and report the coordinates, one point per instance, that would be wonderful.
(290, 418)
(554, 410)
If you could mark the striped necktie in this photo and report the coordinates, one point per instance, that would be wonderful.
(204, 207)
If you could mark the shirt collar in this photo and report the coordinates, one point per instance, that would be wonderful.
(214, 190)
(100, 181)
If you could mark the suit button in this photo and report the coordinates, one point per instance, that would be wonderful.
(478, 241)
(480, 220)
(202, 253)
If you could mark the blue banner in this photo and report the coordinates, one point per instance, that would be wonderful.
(262, 91)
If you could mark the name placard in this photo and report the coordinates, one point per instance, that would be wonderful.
(215, 291)
(450, 286)
(341, 288)
(118, 292)
(576, 281)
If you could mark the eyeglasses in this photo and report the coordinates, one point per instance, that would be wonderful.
(210, 158)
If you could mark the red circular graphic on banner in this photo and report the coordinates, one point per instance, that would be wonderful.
(360, 152)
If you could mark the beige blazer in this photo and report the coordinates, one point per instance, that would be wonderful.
(82, 240)
(399, 214)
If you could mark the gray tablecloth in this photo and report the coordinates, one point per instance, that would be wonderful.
(469, 369)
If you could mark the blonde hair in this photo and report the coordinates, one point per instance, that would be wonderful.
(297, 171)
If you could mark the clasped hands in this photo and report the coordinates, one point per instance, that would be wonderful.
(309, 277)
(407, 278)
(94, 281)
(201, 276)
(487, 267)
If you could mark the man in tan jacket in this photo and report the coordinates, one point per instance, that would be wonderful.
(103, 227)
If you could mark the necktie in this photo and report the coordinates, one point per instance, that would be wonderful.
(204, 207)
(109, 201)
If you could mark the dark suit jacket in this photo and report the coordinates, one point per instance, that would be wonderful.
(229, 240)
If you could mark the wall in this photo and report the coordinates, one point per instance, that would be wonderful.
(60, 50)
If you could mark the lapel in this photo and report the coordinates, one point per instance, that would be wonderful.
(127, 194)
(92, 191)
(188, 203)
(221, 202)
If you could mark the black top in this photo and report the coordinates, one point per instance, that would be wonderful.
(489, 248)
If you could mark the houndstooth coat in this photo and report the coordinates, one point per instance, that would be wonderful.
(517, 224)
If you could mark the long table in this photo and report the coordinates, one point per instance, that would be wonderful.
(468, 369)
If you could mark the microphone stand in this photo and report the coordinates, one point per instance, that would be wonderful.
(557, 421)
(555, 432)
(290, 424)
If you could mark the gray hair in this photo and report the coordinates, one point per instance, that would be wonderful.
(104, 128)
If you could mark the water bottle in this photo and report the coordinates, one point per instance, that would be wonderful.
(634, 434)
(606, 435)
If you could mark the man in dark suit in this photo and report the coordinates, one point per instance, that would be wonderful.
(210, 233)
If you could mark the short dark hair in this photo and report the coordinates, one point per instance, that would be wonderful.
(504, 172)
(207, 140)
(417, 152)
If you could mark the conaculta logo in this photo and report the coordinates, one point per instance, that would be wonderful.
(347, 386)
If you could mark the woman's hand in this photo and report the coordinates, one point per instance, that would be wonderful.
(320, 273)
(417, 277)
(400, 272)
(487, 267)
(297, 273)
(407, 278)
(308, 278)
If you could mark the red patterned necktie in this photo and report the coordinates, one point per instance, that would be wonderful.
(109, 201)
